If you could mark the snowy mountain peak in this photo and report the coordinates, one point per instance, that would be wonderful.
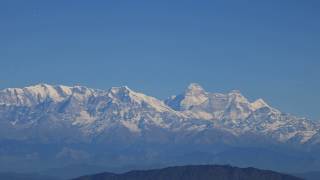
(193, 96)
(259, 103)
(95, 110)
(237, 97)
(121, 94)
(194, 89)
(235, 91)
(30, 95)
(121, 89)
(124, 94)
(35, 94)
(211, 106)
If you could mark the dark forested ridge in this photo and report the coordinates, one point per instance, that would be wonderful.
(202, 172)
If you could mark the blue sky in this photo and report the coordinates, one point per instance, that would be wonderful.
(267, 49)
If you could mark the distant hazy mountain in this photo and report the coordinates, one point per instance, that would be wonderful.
(48, 127)
(24, 176)
(194, 173)
(309, 175)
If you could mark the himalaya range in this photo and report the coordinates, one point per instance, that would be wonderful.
(47, 126)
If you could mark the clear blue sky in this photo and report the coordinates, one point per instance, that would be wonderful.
(268, 49)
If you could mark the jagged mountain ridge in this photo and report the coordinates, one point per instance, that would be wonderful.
(93, 112)
(48, 127)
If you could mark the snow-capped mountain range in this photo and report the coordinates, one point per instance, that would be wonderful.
(94, 112)
(45, 126)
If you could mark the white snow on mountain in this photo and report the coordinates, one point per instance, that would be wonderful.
(260, 103)
(193, 96)
(31, 95)
(122, 92)
(94, 112)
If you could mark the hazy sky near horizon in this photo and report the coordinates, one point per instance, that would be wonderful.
(267, 49)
